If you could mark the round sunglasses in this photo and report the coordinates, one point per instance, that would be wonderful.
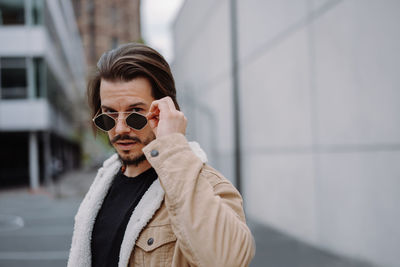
(107, 121)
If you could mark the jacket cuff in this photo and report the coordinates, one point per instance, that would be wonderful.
(176, 165)
(163, 148)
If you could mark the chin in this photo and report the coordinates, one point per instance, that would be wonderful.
(134, 160)
(130, 153)
(127, 155)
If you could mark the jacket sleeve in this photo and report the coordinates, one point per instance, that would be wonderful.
(205, 209)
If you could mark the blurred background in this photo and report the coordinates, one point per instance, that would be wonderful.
(296, 102)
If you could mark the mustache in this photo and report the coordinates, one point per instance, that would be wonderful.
(125, 137)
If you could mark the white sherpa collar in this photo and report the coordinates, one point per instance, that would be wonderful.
(80, 253)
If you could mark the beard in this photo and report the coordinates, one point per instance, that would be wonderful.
(135, 159)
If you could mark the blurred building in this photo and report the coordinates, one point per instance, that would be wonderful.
(319, 114)
(104, 24)
(42, 74)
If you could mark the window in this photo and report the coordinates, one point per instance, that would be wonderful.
(56, 96)
(37, 12)
(12, 12)
(39, 68)
(13, 78)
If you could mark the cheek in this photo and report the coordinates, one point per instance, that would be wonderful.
(148, 133)
(147, 130)
(110, 135)
(144, 133)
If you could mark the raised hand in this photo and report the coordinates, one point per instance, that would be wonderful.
(165, 119)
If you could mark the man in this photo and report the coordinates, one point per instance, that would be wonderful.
(155, 202)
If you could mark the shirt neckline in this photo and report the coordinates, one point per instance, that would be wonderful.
(147, 173)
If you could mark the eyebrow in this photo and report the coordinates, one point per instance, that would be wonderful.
(130, 106)
(137, 104)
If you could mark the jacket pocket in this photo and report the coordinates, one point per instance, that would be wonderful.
(157, 245)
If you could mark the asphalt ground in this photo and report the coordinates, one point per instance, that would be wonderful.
(36, 229)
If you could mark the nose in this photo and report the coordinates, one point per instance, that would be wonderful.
(120, 125)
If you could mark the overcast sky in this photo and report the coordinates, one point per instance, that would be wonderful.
(157, 18)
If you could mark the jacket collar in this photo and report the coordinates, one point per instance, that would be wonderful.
(80, 253)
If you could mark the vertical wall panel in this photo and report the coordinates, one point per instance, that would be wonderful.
(320, 114)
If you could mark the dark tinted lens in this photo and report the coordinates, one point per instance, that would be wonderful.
(104, 122)
(136, 121)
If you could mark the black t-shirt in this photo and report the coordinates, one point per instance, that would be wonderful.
(113, 217)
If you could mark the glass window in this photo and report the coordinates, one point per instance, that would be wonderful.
(56, 96)
(12, 12)
(40, 77)
(13, 78)
(37, 12)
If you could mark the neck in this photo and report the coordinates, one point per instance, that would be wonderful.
(133, 171)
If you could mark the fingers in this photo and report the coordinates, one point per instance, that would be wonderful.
(164, 105)
(170, 103)
(153, 115)
(165, 119)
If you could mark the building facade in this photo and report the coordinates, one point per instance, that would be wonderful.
(42, 71)
(319, 114)
(104, 24)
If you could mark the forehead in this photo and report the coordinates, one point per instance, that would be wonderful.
(120, 94)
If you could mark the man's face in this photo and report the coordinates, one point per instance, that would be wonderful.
(120, 96)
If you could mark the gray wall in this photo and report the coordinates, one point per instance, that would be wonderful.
(202, 73)
(320, 105)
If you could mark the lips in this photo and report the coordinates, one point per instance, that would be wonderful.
(125, 145)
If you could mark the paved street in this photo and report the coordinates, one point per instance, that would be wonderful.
(274, 249)
(36, 229)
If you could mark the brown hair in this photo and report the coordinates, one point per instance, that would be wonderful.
(130, 61)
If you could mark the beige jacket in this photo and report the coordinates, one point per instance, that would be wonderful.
(190, 216)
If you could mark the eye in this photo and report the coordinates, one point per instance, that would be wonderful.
(137, 109)
(106, 110)
(112, 114)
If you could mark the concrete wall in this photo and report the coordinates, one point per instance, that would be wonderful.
(202, 72)
(320, 105)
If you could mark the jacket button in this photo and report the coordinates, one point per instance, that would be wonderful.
(150, 241)
(154, 153)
